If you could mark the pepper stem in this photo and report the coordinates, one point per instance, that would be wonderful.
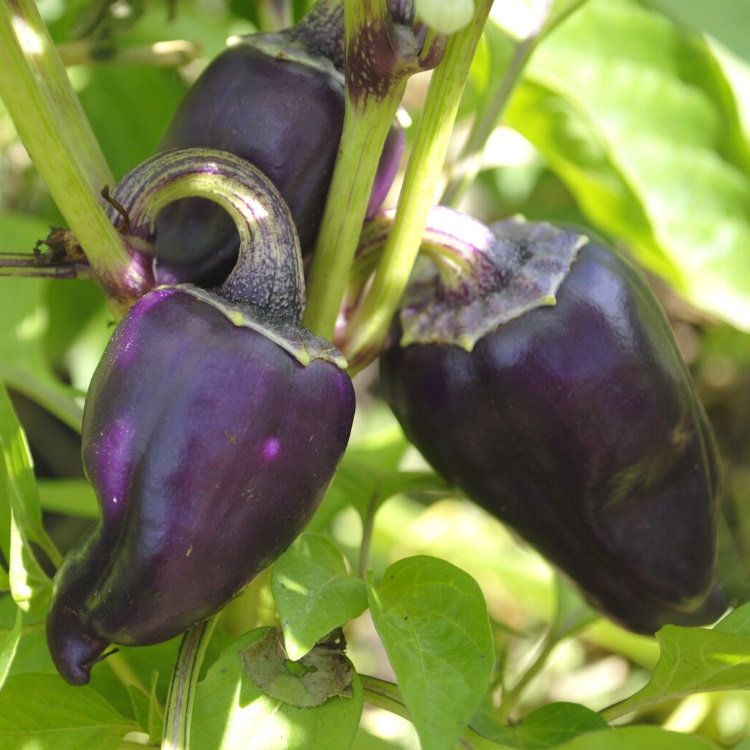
(268, 276)
(380, 55)
(371, 321)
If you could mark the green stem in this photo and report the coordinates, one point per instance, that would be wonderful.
(384, 695)
(368, 117)
(387, 696)
(512, 695)
(182, 688)
(468, 164)
(370, 323)
(23, 265)
(50, 121)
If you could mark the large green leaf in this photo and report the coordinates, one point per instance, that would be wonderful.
(314, 592)
(432, 619)
(641, 737)
(231, 712)
(546, 727)
(148, 711)
(128, 108)
(695, 660)
(8, 646)
(727, 20)
(19, 508)
(44, 713)
(636, 117)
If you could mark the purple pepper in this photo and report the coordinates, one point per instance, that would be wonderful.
(575, 422)
(276, 100)
(212, 429)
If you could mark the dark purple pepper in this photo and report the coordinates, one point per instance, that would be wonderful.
(276, 100)
(576, 423)
(212, 429)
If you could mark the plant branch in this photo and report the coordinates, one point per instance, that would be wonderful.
(50, 121)
(387, 696)
(379, 59)
(370, 323)
(23, 265)
(182, 687)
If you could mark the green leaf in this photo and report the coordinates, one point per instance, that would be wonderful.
(140, 703)
(556, 723)
(635, 116)
(727, 20)
(314, 592)
(432, 619)
(148, 711)
(129, 108)
(43, 712)
(29, 584)
(641, 737)
(695, 660)
(231, 712)
(8, 646)
(737, 622)
(548, 726)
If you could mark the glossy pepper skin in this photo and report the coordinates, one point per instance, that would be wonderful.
(209, 447)
(578, 426)
(283, 116)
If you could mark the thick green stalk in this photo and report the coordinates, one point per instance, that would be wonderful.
(382, 51)
(367, 118)
(364, 135)
(50, 121)
(370, 324)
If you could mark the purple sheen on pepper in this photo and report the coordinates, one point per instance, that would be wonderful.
(210, 447)
(283, 115)
(578, 425)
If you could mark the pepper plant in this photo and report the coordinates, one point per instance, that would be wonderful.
(186, 557)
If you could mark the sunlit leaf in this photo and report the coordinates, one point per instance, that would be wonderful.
(8, 644)
(25, 320)
(231, 712)
(641, 737)
(548, 726)
(432, 619)
(695, 660)
(314, 592)
(635, 116)
(44, 713)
